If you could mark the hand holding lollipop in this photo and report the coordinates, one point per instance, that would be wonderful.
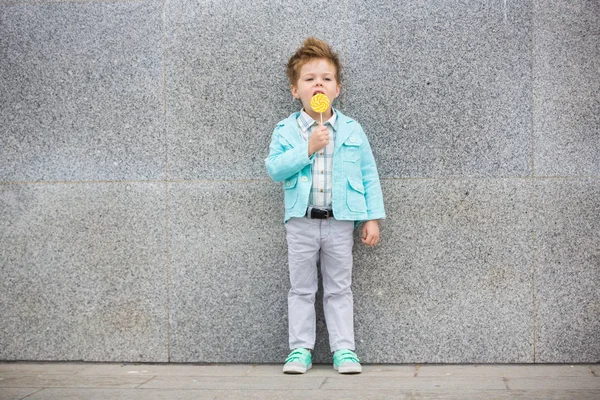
(320, 137)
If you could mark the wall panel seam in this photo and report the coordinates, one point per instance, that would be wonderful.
(346, 35)
(166, 177)
(436, 178)
(532, 188)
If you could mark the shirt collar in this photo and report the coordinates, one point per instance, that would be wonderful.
(305, 121)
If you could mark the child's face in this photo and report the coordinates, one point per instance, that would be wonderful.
(316, 76)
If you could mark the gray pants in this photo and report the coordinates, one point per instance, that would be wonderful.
(331, 241)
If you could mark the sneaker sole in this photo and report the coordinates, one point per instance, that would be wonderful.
(295, 370)
(348, 369)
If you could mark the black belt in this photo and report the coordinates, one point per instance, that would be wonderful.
(318, 213)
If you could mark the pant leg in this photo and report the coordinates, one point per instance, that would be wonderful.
(303, 252)
(336, 269)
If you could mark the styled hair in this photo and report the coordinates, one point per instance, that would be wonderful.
(311, 49)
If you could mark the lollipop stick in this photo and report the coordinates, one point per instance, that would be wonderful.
(321, 118)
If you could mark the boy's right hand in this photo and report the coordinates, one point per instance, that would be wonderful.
(318, 139)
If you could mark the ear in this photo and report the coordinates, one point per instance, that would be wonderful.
(337, 90)
(294, 90)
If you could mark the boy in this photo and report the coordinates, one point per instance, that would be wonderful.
(330, 182)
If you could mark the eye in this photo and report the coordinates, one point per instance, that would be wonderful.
(309, 79)
(327, 79)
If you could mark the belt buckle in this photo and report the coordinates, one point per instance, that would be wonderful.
(319, 213)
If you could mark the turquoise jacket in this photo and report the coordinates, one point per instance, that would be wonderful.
(356, 192)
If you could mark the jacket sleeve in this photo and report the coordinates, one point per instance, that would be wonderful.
(373, 194)
(285, 160)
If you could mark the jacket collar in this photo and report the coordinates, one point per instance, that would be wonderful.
(344, 128)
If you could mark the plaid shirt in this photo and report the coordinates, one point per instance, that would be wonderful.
(320, 194)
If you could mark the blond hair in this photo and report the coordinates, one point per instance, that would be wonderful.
(311, 49)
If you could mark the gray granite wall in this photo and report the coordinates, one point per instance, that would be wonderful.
(137, 222)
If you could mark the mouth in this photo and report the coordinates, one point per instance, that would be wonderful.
(318, 91)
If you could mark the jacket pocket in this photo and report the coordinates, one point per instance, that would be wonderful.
(351, 149)
(355, 196)
(290, 192)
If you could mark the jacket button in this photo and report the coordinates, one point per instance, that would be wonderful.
(288, 183)
(352, 140)
(304, 179)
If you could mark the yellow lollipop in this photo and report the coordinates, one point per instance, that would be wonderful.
(319, 103)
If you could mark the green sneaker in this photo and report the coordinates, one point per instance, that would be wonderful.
(298, 362)
(346, 362)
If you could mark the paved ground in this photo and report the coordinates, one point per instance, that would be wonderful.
(66, 381)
